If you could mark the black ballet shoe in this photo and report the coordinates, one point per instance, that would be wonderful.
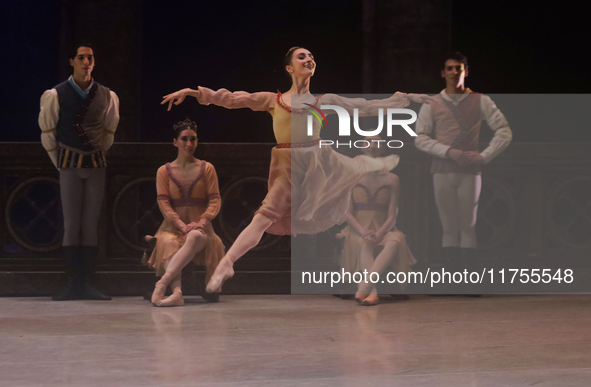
(89, 292)
(70, 290)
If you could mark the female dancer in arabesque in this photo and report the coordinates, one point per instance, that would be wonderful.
(309, 185)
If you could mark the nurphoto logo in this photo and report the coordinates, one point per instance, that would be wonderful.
(345, 126)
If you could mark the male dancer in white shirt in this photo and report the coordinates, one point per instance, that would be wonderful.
(449, 131)
(78, 120)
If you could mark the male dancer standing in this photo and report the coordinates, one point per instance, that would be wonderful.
(78, 120)
(449, 131)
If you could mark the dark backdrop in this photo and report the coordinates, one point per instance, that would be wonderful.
(513, 48)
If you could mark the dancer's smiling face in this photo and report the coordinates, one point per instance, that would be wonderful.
(186, 142)
(302, 63)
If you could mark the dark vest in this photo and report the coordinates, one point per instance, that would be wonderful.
(70, 103)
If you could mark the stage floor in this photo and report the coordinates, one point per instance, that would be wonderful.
(288, 340)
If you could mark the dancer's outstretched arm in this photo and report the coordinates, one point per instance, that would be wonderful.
(262, 101)
(367, 108)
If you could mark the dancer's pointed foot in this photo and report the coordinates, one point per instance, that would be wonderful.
(371, 300)
(363, 291)
(224, 271)
(160, 288)
(176, 299)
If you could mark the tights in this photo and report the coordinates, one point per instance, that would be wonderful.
(194, 243)
(248, 238)
(378, 265)
(82, 192)
(456, 195)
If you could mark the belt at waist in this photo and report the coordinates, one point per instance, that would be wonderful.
(69, 157)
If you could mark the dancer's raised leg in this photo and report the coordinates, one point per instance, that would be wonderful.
(248, 238)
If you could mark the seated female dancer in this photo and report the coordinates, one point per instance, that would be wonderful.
(371, 223)
(309, 185)
(189, 198)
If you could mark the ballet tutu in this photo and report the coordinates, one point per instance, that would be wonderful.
(310, 186)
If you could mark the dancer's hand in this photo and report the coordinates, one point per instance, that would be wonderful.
(177, 98)
(181, 225)
(474, 157)
(194, 226)
(458, 156)
(378, 236)
(369, 236)
(420, 98)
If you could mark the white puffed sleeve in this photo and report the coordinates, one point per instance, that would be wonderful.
(498, 123)
(48, 117)
(424, 140)
(111, 122)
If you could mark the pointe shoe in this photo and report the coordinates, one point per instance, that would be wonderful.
(363, 291)
(160, 288)
(371, 300)
(176, 299)
(224, 271)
